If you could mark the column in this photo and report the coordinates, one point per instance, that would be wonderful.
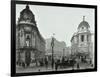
(79, 38)
(85, 37)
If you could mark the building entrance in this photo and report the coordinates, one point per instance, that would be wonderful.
(27, 57)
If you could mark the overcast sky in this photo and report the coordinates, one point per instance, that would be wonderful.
(63, 21)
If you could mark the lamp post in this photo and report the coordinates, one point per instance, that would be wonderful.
(63, 52)
(52, 45)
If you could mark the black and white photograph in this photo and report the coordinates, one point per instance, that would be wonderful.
(54, 38)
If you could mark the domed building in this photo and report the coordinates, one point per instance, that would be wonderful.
(30, 45)
(81, 43)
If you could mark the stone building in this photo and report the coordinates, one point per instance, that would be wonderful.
(81, 43)
(29, 42)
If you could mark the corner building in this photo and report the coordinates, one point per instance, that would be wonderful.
(81, 43)
(29, 42)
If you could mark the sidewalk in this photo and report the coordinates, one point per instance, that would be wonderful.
(41, 69)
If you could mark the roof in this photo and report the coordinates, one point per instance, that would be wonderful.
(26, 10)
(26, 14)
(84, 23)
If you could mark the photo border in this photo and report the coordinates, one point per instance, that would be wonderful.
(13, 37)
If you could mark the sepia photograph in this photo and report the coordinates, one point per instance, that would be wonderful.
(54, 38)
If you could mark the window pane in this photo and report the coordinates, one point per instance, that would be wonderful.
(82, 38)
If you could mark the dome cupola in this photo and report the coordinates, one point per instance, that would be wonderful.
(84, 24)
(27, 16)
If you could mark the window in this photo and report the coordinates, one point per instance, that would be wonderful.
(82, 27)
(82, 38)
(87, 38)
(27, 40)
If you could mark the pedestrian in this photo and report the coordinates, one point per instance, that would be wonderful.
(63, 61)
(23, 64)
(78, 66)
(56, 66)
(73, 62)
(46, 63)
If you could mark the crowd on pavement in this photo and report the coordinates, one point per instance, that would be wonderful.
(57, 63)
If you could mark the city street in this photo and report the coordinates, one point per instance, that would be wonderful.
(53, 45)
(41, 69)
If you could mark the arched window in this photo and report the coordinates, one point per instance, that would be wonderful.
(27, 41)
(82, 27)
(82, 38)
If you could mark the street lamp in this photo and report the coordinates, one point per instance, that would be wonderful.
(52, 45)
(63, 52)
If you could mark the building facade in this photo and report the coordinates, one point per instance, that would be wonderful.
(29, 42)
(81, 43)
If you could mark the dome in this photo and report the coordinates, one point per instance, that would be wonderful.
(27, 15)
(84, 23)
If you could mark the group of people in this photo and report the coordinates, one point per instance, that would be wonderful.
(56, 63)
(45, 62)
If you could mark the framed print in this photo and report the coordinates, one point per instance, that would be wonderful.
(52, 38)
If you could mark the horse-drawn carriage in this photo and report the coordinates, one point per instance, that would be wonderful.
(68, 63)
(65, 63)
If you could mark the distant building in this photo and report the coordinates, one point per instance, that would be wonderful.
(29, 42)
(81, 44)
(67, 51)
(60, 48)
